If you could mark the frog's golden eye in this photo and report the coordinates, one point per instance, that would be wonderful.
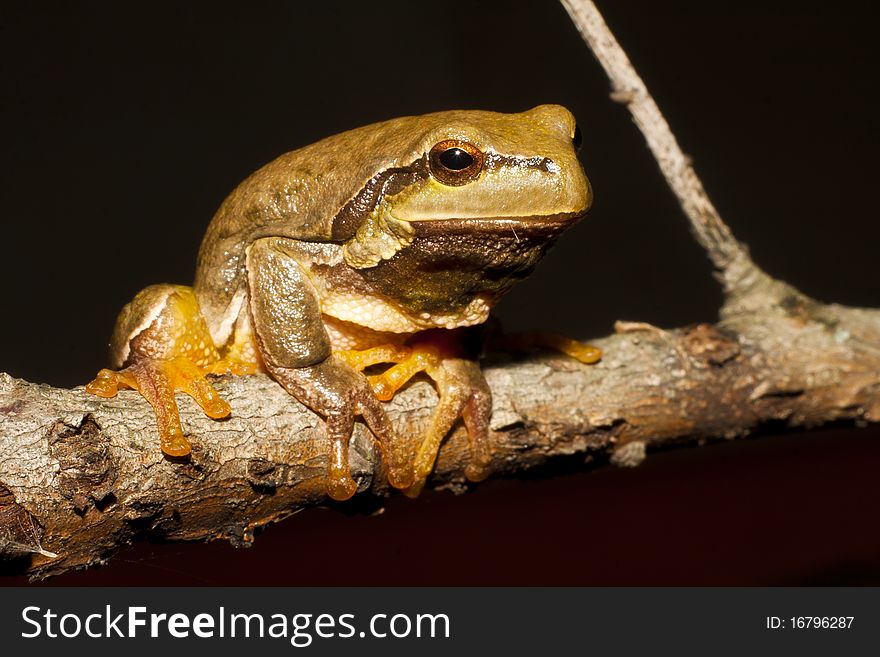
(454, 162)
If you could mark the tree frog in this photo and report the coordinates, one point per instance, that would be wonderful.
(375, 247)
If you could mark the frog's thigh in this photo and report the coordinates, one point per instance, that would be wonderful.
(285, 309)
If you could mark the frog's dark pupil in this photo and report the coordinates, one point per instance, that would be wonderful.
(578, 138)
(456, 159)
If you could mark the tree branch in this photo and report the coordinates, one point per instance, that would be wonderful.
(81, 476)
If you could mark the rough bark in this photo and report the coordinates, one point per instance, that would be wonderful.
(81, 476)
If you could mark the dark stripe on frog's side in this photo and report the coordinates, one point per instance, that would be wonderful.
(387, 183)
(451, 261)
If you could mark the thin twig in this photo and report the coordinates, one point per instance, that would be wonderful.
(735, 268)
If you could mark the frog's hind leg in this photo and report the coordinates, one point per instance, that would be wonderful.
(163, 345)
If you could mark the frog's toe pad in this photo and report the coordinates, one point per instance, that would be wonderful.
(476, 472)
(401, 478)
(415, 489)
(175, 444)
(341, 486)
(585, 353)
(214, 406)
(105, 384)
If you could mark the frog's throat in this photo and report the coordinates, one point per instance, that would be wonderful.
(381, 236)
(450, 262)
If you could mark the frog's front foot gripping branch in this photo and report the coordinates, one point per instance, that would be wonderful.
(462, 389)
(463, 393)
(339, 393)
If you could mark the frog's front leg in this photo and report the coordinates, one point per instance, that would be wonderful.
(463, 393)
(295, 347)
(162, 343)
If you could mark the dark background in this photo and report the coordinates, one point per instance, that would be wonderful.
(123, 130)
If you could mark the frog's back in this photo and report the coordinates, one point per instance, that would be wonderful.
(297, 195)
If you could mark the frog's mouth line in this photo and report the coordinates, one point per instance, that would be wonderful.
(526, 227)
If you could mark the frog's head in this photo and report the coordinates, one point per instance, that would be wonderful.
(467, 205)
(484, 165)
(475, 165)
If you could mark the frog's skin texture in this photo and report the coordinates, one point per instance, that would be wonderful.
(380, 245)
